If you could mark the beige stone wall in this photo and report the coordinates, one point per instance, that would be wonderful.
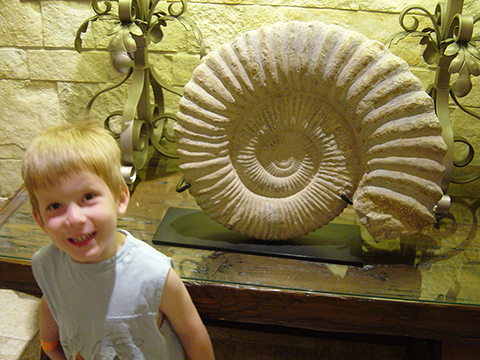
(44, 81)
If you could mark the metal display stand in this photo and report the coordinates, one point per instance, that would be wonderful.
(332, 243)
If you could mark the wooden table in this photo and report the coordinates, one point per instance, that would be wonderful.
(425, 287)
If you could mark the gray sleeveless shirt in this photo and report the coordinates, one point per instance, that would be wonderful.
(109, 310)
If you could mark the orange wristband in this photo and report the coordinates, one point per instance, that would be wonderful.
(49, 346)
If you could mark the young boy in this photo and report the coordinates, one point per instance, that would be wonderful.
(107, 295)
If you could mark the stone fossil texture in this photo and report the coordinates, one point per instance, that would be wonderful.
(278, 125)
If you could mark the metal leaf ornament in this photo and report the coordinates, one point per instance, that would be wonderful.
(464, 64)
(430, 54)
(120, 47)
(156, 32)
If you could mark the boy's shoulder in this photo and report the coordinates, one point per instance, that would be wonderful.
(145, 251)
(46, 261)
(46, 252)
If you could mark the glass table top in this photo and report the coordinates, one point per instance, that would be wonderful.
(440, 265)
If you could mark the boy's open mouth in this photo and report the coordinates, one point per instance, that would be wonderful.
(82, 240)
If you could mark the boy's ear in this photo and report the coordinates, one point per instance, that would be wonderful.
(38, 219)
(123, 200)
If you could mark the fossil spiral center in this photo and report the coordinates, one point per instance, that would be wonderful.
(280, 154)
(280, 146)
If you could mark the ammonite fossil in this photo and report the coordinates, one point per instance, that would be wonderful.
(279, 128)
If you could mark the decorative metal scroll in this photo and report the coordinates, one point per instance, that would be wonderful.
(144, 123)
(451, 46)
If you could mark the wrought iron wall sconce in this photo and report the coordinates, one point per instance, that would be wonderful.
(450, 45)
(144, 122)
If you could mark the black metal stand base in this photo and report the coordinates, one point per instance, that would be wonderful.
(333, 243)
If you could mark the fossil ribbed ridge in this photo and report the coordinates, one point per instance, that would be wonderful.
(278, 125)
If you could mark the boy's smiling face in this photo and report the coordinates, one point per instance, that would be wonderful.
(80, 216)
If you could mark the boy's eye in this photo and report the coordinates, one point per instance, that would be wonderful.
(89, 197)
(54, 206)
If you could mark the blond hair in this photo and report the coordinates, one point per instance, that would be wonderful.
(72, 148)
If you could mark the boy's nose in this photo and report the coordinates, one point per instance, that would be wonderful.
(75, 215)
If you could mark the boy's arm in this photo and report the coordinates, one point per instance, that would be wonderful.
(178, 307)
(49, 334)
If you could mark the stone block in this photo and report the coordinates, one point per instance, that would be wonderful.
(96, 35)
(10, 151)
(74, 97)
(314, 4)
(467, 127)
(175, 38)
(228, 2)
(472, 99)
(163, 66)
(61, 19)
(220, 23)
(20, 23)
(391, 6)
(171, 102)
(11, 178)
(183, 66)
(232, 21)
(362, 5)
(410, 50)
(13, 64)
(373, 25)
(426, 76)
(27, 108)
(471, 7)
(65, 65)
